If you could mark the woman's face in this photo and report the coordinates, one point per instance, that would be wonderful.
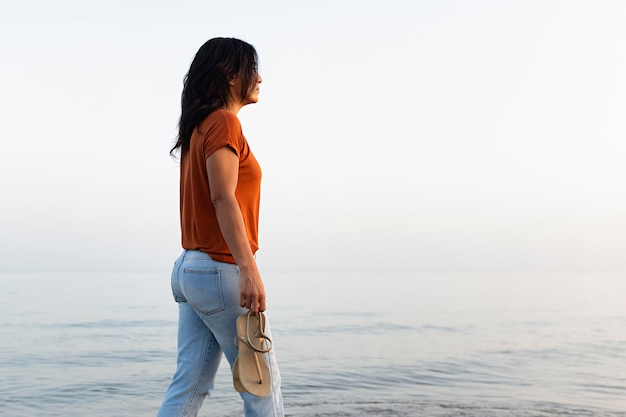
(253, 96)
(235, 91)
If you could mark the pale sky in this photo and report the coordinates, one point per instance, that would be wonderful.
(402, 135)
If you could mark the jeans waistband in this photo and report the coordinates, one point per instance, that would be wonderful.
(195, 254)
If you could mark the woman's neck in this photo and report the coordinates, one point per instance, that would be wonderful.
(233, 107)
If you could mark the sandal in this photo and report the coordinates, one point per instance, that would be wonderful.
(250, 371)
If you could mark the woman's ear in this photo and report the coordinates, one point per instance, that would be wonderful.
(232, 81)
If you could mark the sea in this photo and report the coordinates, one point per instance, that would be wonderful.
(348, 344)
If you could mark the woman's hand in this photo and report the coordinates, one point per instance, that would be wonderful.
(251, 291)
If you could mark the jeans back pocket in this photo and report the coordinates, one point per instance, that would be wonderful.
(202, 287)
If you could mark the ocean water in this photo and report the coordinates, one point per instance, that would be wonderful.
(475, 345)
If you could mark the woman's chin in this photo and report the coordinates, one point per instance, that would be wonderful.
(251, 100)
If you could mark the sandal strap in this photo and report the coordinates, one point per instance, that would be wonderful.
(251, 346)
(259, 334)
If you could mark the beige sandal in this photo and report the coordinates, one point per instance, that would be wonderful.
(250, 371)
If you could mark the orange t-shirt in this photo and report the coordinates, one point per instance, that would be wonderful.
(199, 227)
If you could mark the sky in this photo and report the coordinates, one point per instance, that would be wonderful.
(393, 135)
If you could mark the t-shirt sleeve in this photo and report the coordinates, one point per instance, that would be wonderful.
(223, 130)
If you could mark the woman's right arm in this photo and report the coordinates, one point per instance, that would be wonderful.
(223, 170)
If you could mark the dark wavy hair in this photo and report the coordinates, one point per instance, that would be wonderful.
(206, 86)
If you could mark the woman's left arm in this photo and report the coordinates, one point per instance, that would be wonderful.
(223, 171)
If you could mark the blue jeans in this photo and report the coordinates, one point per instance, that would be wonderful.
(207, 293)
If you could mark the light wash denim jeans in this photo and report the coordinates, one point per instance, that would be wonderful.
(207, 293)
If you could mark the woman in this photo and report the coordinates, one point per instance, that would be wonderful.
(216, 278)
